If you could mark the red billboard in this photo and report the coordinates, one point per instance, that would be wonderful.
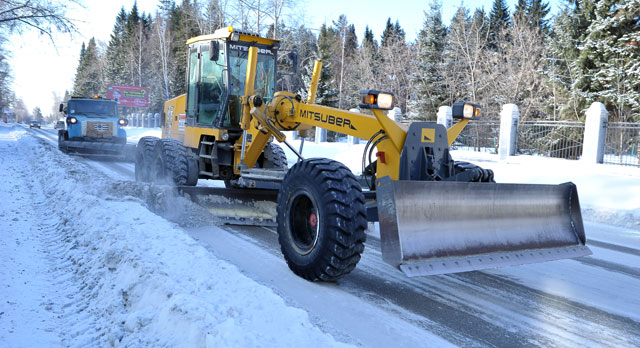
(129, 95)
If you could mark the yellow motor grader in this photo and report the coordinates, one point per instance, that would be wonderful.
(435, 215)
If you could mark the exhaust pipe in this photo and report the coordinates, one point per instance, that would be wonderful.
(429, 228)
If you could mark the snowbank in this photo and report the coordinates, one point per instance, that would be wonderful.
(124, 276)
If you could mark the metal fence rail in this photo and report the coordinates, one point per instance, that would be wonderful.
(481, 136)
(561, 139)
(622, 144)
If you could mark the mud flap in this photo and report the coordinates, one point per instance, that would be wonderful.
(429, 228)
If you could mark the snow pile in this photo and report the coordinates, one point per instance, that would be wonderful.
(127, 277)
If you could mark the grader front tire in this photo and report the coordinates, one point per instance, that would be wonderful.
(321, 219)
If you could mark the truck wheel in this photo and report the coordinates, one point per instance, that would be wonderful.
(62, 136)
(321, 219)
(170, 162)
(144, 158)
(274, 157)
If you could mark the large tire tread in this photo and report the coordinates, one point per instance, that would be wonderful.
(173, 155)
(144, 158)
(344, 220)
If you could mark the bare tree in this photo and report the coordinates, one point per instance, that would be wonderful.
(46, 16)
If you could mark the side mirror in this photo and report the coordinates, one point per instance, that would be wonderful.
(214, 50)
(61, 107)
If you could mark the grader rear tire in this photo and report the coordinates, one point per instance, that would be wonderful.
(144, 158)
(321, 219)
(273, 157)
(170, 162)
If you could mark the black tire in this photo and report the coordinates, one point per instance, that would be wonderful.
(61, 137)
(472, 173)
(169, 162)
(274, 157)
(144, 158)
(321, 219)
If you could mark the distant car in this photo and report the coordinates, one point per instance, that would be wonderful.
(34, 124)
(59, 125)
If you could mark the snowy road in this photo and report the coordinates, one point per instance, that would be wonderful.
(590, 301)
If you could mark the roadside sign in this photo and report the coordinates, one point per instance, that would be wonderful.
(129, 95)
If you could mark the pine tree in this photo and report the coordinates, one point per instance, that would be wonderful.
(116, 52)
(89, 78)
(612, 74)
(565, 66)
(327, 93)
(499, 20)
(429, 92)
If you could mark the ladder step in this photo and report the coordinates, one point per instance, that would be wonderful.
(206, 156)
(206, 142)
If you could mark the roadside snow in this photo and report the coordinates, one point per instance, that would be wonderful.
(82, 267)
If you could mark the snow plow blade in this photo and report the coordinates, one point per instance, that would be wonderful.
(91, 148)
(235, 206)
(429, 228)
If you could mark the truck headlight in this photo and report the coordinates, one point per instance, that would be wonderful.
(123, 122)
(372, 99)
(462, 110)
(72, 120)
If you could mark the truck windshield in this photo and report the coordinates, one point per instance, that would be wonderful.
(92, 108)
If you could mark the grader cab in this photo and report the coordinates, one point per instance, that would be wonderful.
(436, 215)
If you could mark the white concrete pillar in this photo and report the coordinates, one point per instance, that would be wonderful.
(351, 140)
(156, 120)
(321, 135)
(595, 132)
(509, 117)
(445, 117)
(395, 114)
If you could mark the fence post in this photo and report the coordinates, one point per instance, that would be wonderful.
(351, 140)
(156, 120)
(321, 135)
(444, 116)
(395, 114)
(595, 132)
(509, 117)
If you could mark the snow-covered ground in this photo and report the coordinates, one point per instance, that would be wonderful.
(82, 267)
(86, 264)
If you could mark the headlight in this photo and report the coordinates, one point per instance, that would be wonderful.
(465, 110)
(372, 99)
(72, 120)
(123, 122)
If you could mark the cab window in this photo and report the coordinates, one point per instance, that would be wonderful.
(212, 91)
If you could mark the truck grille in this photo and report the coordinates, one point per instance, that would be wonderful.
(99, 129)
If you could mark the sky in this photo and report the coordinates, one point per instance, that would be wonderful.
(41, 69)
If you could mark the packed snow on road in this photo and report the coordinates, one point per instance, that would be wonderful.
(87, 263)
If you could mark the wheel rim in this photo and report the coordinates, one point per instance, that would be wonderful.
(304, 222)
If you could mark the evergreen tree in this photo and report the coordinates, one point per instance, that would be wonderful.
(89, 78)
(610, 48)
(566, 64)
(499, 20)
(429, 91)
(387, 33)
(116, 52)
(326, 93)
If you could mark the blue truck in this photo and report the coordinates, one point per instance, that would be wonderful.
(94, 128)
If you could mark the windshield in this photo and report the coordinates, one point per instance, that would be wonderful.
(92, 108)
(265, 78)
